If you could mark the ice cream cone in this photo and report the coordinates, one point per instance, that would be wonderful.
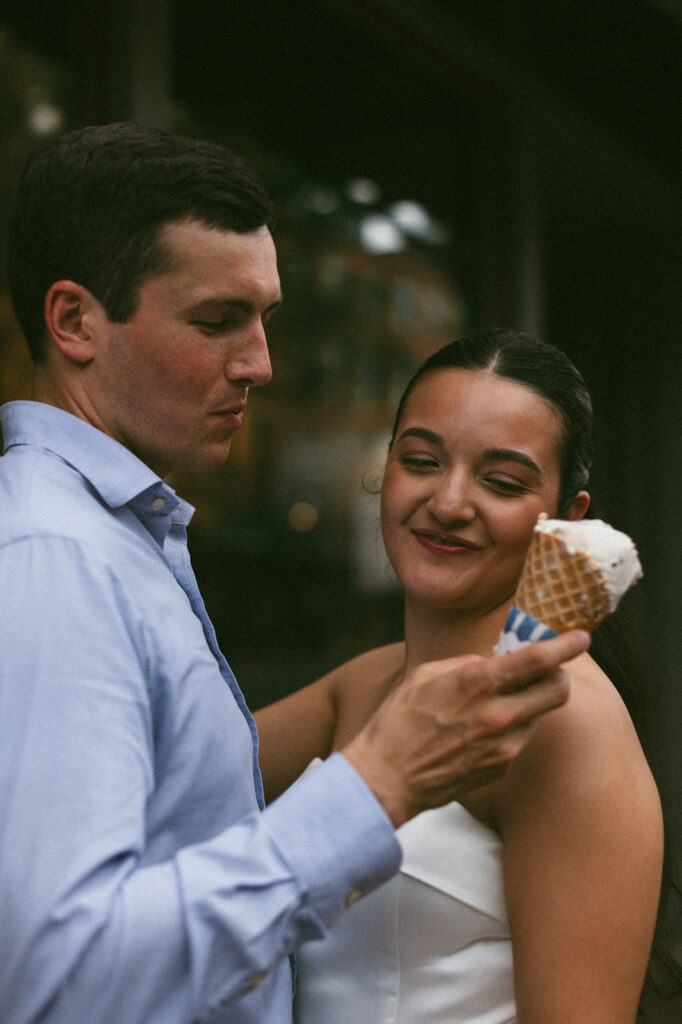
(574, 575)
(561, 588)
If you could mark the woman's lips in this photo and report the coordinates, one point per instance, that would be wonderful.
(444, 544)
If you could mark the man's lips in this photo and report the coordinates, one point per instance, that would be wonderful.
(232, 415)
(447, 544)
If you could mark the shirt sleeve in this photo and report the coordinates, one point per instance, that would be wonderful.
(89, 931)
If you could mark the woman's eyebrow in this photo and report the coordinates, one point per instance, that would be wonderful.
(511, 455)
(423, 433)
(501, 454)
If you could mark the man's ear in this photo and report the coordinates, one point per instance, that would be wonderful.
(72, 316)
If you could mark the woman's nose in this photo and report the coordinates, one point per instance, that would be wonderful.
(452, 500)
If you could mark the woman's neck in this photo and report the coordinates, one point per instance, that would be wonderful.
(431, 634)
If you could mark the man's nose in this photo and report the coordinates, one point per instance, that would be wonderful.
(250, 366)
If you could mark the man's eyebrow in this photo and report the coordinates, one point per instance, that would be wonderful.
(512, 455)
(228, 302)
(423, 433)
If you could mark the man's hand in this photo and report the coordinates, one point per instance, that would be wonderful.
(455, 725)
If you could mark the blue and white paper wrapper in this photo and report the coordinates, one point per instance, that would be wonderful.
(521, 629)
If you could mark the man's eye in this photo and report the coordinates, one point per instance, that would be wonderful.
(210, 326)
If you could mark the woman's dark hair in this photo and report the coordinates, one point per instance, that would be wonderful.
(91, 204)
(544, 369)
(549, 372)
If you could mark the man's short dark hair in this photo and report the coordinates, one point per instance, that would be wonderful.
(91, 203)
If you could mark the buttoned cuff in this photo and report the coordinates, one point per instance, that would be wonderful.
(336, 837)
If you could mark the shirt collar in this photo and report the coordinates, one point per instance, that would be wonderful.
(118, 476)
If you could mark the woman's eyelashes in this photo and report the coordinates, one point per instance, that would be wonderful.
(423, 463)
(507, 487)
(419, 462)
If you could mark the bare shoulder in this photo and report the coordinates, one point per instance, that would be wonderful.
(374, 663)
(322, 716)
(358, 687)
(587, 751)
(582, 829)
(594, 720)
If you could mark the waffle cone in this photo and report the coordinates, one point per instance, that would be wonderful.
(562, 589)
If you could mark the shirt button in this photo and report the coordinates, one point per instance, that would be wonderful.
(158, 504)
(352, 896)
(257, 981)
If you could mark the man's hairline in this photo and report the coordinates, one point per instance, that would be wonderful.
(165, 263)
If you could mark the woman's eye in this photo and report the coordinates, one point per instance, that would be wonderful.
(418, 462)
(507, 486)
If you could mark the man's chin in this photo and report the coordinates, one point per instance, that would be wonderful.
(205, 461)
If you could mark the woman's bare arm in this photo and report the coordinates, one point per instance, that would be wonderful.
(292, 732)
(320, 717)
(582, 829)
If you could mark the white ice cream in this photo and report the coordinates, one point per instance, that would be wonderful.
(611, 550)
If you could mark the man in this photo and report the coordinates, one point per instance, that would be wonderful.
(142, 882)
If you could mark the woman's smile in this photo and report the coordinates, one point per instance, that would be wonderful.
(444, 544)
(474, 462)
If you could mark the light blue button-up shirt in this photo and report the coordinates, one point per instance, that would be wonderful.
(141, 882)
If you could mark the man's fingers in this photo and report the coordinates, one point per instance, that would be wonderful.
(507, 747)
(520, 668)
(455, 725)
(515, 710)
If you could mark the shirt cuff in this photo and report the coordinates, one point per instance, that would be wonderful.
(336, 837)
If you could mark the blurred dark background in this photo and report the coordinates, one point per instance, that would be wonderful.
(439, 166)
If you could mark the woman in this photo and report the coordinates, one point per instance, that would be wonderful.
(534, 899)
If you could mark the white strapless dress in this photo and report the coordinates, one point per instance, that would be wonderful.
(432, 946)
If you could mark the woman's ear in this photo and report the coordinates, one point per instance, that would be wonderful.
(578, 506)
(71, 315)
